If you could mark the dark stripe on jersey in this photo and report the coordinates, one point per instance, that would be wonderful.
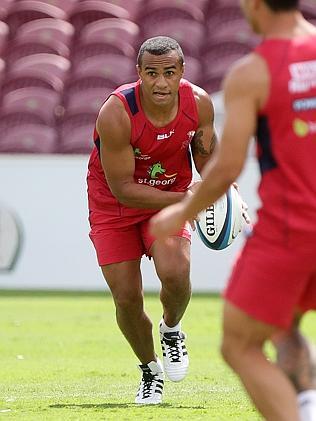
(97, 144)
(131, 99)
(265, 154)
(189, 158)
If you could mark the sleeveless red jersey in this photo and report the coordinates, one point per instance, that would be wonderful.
(162, 155)
(286, 136)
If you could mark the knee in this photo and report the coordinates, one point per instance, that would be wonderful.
(128, 301)
(230, 350)
(175, 278)
(237, 350)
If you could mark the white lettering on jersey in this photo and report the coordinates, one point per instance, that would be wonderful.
(165, 135)
(303, 76)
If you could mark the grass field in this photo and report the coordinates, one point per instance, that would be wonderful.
(62, 357)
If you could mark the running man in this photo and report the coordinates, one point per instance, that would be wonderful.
(270, 93)
(140, 164)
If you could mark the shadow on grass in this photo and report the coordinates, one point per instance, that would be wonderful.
(118, 405)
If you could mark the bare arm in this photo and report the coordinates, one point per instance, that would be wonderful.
(118, 162)
(241, 107)
(246, 88)
(205, 139)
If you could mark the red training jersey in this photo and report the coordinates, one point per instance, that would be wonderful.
(286, 137)
(162, 155)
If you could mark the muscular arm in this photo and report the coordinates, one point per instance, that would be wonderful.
(245, 91)
(205, 139)
(118, 162)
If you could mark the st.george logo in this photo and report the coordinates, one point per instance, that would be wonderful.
(155, 170)
(157, 176)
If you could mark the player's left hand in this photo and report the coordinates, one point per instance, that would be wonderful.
(168, 221)
(243, 205)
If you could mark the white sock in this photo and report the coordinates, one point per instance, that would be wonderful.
(164, 328)
(155, 367)
(307, 405)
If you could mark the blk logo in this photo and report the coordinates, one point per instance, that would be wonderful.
(165, 135)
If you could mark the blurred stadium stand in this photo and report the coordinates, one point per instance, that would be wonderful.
(30, 105)
(61, 58)
(29, 138)
(110, 35)
(2, 71)
(47, 29)
(22, 11)
(4, 34)
(88, 11)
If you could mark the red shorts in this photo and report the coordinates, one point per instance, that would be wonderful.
(270, 282)
(124, 239)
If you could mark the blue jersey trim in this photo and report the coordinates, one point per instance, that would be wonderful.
(265, 158)
(131, 99)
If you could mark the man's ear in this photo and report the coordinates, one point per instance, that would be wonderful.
(138, 69)
(183, 69)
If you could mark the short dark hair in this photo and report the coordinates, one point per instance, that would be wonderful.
(158, 46)
(279, 5)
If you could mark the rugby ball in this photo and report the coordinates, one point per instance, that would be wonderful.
(219, 224)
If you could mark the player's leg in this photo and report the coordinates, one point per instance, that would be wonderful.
(269, 285)
(172, 262)
(297, 358)
(125, 282)
(303, 364)
(242, 348)
(119, 252)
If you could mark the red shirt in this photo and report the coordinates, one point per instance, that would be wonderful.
(162, 155)
(286, 136)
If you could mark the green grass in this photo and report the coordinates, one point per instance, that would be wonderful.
(62, 357)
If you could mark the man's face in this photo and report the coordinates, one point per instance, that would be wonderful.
(160, 76)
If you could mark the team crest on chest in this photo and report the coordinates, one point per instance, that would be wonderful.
(157, 175)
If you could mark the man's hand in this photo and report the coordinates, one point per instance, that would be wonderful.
(244, 206)
(245, 213)
(168, 221)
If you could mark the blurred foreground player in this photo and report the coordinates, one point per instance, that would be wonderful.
(140, 164)
(270, 93)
